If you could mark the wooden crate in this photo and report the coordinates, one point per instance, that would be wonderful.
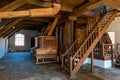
(48, 42)
(47, 49)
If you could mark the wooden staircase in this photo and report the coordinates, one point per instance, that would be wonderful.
(75, 56)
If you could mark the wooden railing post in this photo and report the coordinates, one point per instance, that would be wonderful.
(71, 67)
(62, 61)
(92, 62)
(103, 49)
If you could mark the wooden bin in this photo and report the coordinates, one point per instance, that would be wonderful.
(48, 42)
(47, 49)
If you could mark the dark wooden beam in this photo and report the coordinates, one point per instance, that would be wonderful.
(5, 22)
(13, 5)
(10, 25)
(39, 19)
(82, 9)
(11, 31)
(47, 4)
(88, 6)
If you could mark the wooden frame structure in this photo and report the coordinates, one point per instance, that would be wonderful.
(47, 49)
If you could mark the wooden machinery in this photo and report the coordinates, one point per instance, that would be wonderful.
(47, 49)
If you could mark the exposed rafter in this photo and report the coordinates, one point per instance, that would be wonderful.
(47, 4)
(10, 25)
(18, 23)
(14, 5)
(86, 7)
(4, 22)
(10, 32)
(113, 3)
(38, 19)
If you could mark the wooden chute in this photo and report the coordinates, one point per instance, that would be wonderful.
(41, 12)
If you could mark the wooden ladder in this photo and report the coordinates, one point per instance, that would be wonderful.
(76, 59)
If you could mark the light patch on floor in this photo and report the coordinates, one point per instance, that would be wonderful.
(55, 78)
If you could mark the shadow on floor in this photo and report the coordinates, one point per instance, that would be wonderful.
(19, 66)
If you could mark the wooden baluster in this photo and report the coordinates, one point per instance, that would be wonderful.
(91, 40)
(83, 50)
(80, 54)
(67, 56)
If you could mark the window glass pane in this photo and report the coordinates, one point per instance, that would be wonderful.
(19, 40)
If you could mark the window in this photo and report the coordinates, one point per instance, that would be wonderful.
(19, 39)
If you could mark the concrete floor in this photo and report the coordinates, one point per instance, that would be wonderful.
(19, 66)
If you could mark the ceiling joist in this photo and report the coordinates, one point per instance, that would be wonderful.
(10, 25)
(14, 5)
(47, 4)
(86, 7)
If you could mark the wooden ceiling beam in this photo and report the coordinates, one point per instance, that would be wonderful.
(5, 22)
(82, 9)
(47, 4)
(14, 5)
(10, 25)
(113, 3)
(39, 19)
(33, 22)
(11, 32)
(86, 7)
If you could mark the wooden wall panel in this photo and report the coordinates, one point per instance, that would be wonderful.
(80, 34)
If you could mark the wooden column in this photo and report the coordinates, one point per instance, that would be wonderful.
(71, 27)
(66, 34)
(92, 62)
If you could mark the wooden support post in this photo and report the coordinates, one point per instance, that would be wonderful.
(112, 55)
(103, 49)
(53, 26)
(92, 62)
(71, 67)
(66, 34)
(71, 32)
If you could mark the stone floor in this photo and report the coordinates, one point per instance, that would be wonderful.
(19, 66)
